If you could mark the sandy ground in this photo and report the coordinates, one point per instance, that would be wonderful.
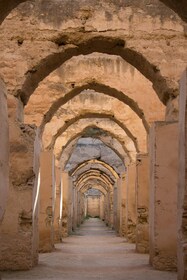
(93, 252)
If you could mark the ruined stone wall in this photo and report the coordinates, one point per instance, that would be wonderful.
(93, 206)
(47, 202)
(4, 148)
(35, 40)
(48, 24)
(181, 214)
(131, 217)
(17, 227)
(142, 203)
(163, 195)
(123, 217)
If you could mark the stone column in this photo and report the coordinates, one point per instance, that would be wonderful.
(102, 198)
(163, 195)
(17, 228)
(182, 191)
(107, 211)
(61, 195)
(118, 219)
(70, 205)
(65, 184)
(142, 203)
(46, 213)
(4, 150)
(36, 202)
(131, 203)
(111, 208)
(57, 234)
(85, 205)
(78, 209)
(115, 202)
(82, 207)
(74, 208)
(123, 216)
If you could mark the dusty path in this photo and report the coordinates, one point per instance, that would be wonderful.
(93, 253)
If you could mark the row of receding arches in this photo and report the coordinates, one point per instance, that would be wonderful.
(93, 131)
(92, 126)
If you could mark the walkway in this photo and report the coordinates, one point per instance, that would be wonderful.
(93, 253)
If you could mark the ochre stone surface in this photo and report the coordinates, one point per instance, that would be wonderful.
(163, 195)
(93, 206)
(17, 229)
(84, 81)
(4, 147)
(182, 203)
(142, 203)
(47, 202)
(123, 216)
(131, 217)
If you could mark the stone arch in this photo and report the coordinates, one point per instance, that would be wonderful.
(67, 151)
(93, 115)
(96, 178)
(99, 187)
(94, 161)
(95, 172)
(92, 85)
(100, 44)
(98, 68)
(116, 142)
(97, 166)
(79, 134)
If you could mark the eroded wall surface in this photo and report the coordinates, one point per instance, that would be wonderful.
(163, 195)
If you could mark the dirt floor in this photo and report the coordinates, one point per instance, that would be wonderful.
(93, 252)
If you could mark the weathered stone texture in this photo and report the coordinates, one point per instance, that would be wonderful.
(163, 195)
(4, 148)
(93, 206)
(92, 76)
(17, 228)
(49, 37)
(142, 203)
(182, 196)
(47, 202)
(131, 203)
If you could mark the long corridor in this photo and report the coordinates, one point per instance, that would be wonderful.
(93, 252)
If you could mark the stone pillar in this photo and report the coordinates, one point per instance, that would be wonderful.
(61, 205)
(85, 206)
(107, 209)
(118, 219)
(78, 209)
(17, 228)
(182, 191)
(74, 208)
(142, 203)
(82, 207)
(4, 150)
(163, 195)
(115, 202)
(131, 203)
(123, 215)
(36, 191)
(93, 205)
(111, 208)
(102, 198)
(65, 184)
(57, 234)
(46, 213)
(70, 205)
